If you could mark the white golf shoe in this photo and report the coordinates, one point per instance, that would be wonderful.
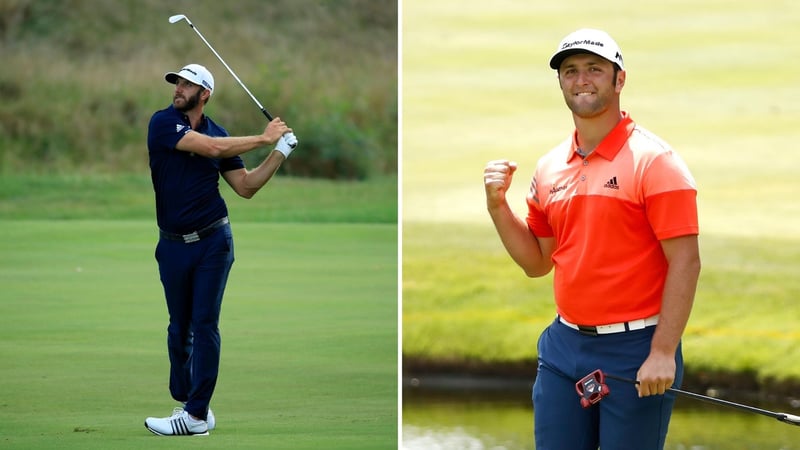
(211, 420)
(179, 424)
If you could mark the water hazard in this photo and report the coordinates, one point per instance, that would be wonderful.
(464, 417)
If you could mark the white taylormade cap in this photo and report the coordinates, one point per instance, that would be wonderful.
(195, 73)
(587, 40)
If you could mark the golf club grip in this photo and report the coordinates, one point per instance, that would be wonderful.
(290, 137)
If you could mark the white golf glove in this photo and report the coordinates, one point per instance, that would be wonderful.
(290, 139)
(286, 144)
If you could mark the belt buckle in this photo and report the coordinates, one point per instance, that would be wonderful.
(588, 331)
(191, 237)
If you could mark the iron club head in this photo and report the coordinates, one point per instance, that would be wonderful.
(790, 418)
(178, 18)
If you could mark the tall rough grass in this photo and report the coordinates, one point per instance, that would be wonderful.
(80, 79)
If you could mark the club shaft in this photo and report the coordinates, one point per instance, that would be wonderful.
(717, 401)
(260, 106)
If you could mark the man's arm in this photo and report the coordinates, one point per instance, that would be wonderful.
(533, 254)
(219, 147)
(247, 182)
(657, 373)
(230, 146)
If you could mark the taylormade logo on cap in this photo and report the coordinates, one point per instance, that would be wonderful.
(587, 40)
(195, 73)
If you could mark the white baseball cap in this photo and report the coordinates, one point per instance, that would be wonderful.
(195, 73)
(587, 40)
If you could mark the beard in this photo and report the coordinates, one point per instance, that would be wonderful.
(191, 102)
(587, 109)
(598, 103)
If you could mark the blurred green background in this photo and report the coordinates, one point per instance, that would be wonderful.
(81, 78)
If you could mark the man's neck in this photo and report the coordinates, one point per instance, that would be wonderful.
(195, 117)
(592, 131)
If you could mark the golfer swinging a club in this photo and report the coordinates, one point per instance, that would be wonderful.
(613, 210)
(188, 153)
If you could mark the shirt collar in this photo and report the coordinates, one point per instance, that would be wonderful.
(203, 118)
(612, 143)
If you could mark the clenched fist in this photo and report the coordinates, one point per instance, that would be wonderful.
(497, 179)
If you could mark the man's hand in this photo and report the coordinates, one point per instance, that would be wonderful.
(285, 146)
(274, 130)
(497, 179)
(291, 139)
(656, 374)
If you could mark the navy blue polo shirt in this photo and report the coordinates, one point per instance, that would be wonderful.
(186, 185)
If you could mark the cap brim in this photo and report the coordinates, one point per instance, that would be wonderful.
(558, 58)
(171, 77)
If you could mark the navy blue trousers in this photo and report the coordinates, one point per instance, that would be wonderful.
(194, 277)
(620, 421)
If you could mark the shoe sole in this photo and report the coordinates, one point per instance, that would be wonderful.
(162, 434)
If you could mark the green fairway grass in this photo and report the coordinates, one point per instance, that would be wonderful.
(309, 337)
(309, 320)
(713, 79)
(130, 196)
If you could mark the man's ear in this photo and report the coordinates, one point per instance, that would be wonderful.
(620, 80)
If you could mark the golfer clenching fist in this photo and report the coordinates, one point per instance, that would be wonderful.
(497, 179)
(612, 210)
(530, 252)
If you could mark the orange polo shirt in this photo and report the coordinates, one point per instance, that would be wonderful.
(608, 213)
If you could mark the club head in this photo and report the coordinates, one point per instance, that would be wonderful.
(592, 388)
(789, 418)
(178, 18)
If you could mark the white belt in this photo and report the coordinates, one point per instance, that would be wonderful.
(613, 327)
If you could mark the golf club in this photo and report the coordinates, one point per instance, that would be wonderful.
(592, 389)
(289, 137)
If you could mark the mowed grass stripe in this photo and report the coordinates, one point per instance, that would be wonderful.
(309, 327)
